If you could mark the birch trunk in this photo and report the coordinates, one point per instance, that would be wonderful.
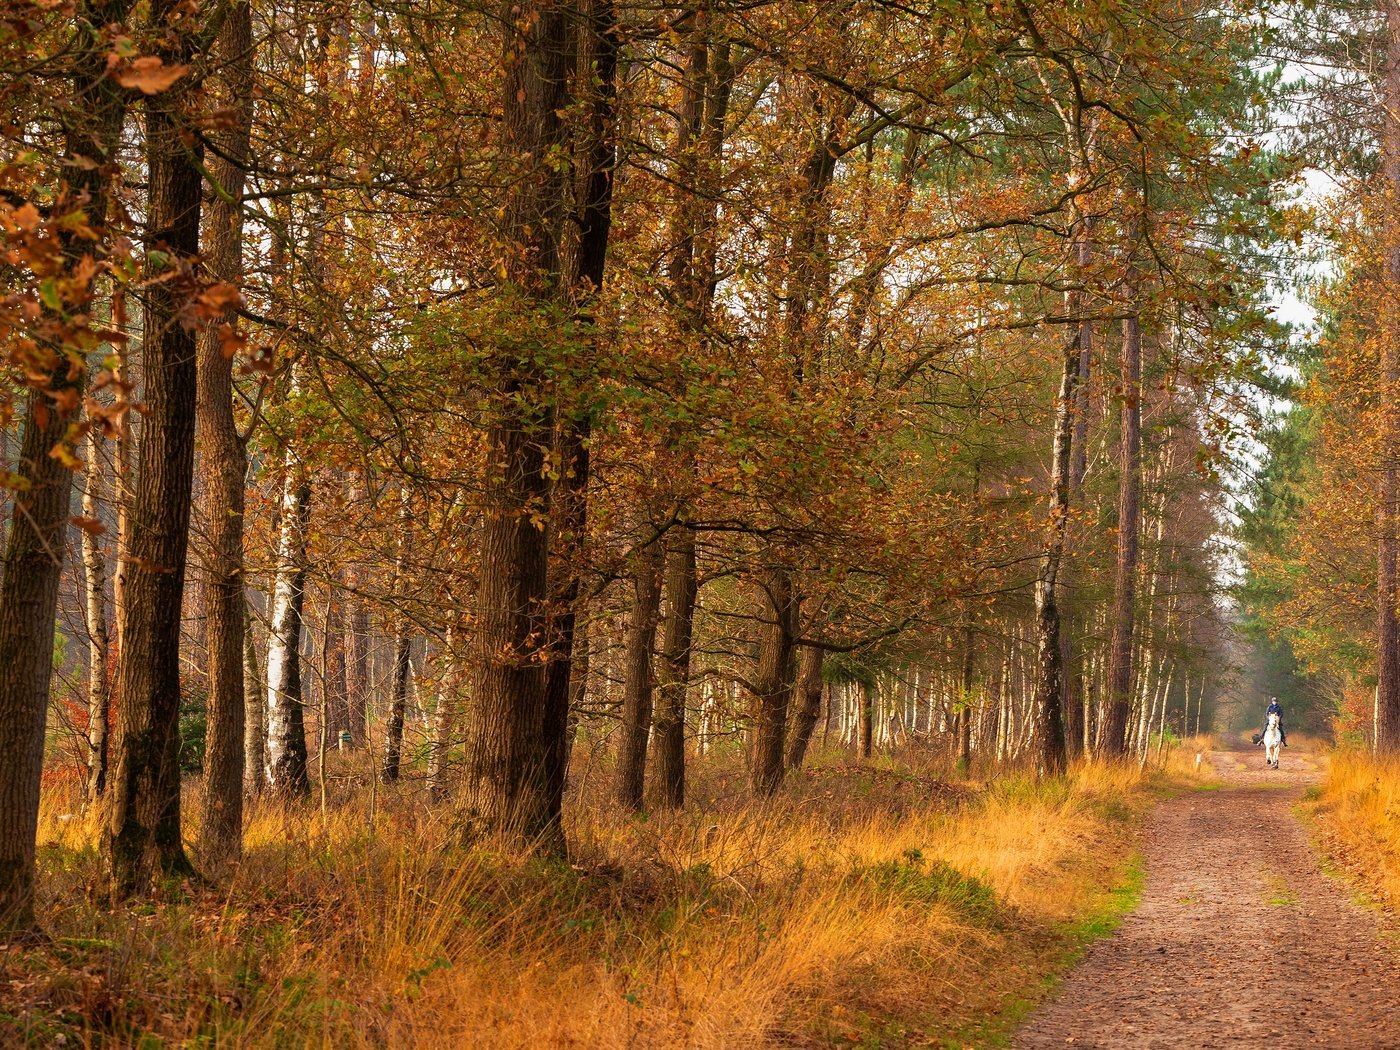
(95, 599)
(286, 753)
(255, 715)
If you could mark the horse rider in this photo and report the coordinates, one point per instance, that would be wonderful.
(1275, 708)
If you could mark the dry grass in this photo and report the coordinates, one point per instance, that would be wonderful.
(867, 906)
(1359, 806)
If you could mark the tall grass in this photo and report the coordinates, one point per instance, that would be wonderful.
(864, 902)
(1359, 803)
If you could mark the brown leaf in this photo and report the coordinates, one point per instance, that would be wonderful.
(149, 75)
(89, 525)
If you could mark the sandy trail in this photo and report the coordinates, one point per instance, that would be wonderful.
(1240, 938)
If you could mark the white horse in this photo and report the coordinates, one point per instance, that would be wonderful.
(1273, 739)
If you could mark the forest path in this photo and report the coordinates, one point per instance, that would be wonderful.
(1240, 939)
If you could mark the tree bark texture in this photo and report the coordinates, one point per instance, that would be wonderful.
(773, 682)
(99, 641)
(639, 678)
(509, 774)
(34, 549)
(142, 833)
(255, 713)
(225, 465)
(809, 707)
(286, 753)
(1047, 718)
(866, 718)
(673, 669)
(398, 703)
(1120, 646)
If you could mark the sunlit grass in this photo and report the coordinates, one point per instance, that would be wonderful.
(863, 899)
(1359, 802)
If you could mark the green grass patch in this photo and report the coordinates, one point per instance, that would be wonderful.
(1063, 949)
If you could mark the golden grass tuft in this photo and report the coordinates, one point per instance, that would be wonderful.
(1359, 803)
(866, 901)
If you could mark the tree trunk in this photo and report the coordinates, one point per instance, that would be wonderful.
(865, 719)
(638, 677)
(225, 466)
(286, 754)
(255, 715)
(444, 718)
(398, 702)
(966, 683)
(142, 834)
(596, 157)
(333, 673)
(1047, 719)
(95, 598)
(1120, 646)
(357, 671)
(674, 667)
(34, 548)
(508, 782)
(809, 692)
(773, 682)
(1387, 736)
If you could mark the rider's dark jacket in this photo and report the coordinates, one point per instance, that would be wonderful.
(1275, 708)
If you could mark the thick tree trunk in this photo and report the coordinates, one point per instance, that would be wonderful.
(225, 466)
(809, 694)
(1387, 737)
(509, 776)
(286, 754)
(95, 599)
(34, 547)
(638, 679)
(596, 73)
(695, 171)
(673, 671)
(773, 682)
(1120, 646)
(142, 834)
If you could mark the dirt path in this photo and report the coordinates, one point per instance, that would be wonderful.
(1240, 939)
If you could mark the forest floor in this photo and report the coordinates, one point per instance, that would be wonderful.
(1241, 936)
(871, 905)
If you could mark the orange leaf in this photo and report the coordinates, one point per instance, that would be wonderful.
(150, 75)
